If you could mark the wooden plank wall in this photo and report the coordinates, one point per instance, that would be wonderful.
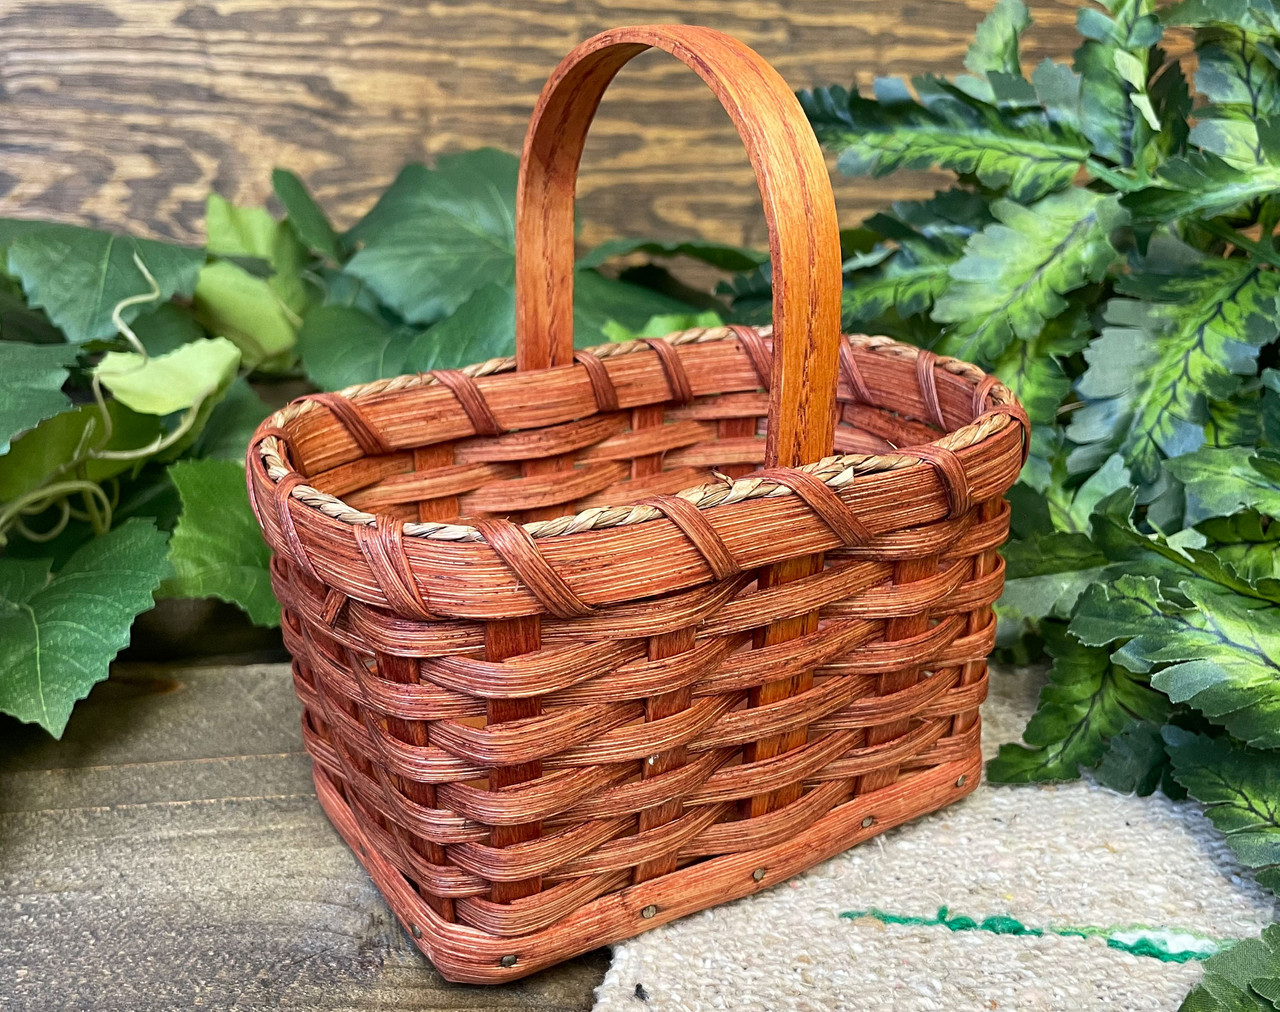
(125, 113)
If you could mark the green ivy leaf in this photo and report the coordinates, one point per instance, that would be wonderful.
(165, 330)
(1240, 788)
(259, 314)
(232, 302)
(79, 275)
(946, 128)
(32, 390)
(217, 549)
(1088, 700)
(59, 631)
(232, 422)
(162, 384)
(309, 222)
(341, 346)
(1014, 273)
(18, 321)
(727, 258)
(1221, 481)
(439, 234)
(43, 453)
(660, 326)
(599, 301)
(1222, 649)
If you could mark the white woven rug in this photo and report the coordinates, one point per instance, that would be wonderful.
(980, 906)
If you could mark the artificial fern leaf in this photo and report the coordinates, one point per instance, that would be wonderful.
(1193, 333)
(1237, 74)
(1248, 542)
(995, 44)
(1046, 573)
(1172, 102)
(904, 283)
(1033, 369)
(1057, 87)
(1236, 977)
(1215, 649)
(1220, 481)
(1241, 789)
(1087, 700)
(1024, 153)
(1117, 116)
(1235, 420)
(930, 236)
(1201, 184)
(1015, 272)
(1136, 762)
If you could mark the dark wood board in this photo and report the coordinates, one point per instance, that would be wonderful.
(126, 113)
(169, 853)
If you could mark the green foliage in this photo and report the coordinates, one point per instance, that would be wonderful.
(1240, 787)
(59, 631)
(32, 390)
(1013, 273)
(950, 129)
(134, 372)
(79, 276)
(170, 382)
(728, 258)
(1114, 259)
(306, 219)
(1241, 978)
(216, 549)
(1088, 699)
(439, 234)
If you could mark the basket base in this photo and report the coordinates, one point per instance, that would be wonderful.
(466, 955)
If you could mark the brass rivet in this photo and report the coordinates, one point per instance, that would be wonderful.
(960, 780)
(758, 874)
(508, 960)
(649, 911)
(868, 822)
(417, 931)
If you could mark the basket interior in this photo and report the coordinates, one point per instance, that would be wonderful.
(607, 459)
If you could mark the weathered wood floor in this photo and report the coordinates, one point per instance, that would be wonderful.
(168, 853)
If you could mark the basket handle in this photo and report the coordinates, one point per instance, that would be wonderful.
(804, 242)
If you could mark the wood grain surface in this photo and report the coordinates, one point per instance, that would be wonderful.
(126, 113)
(169, 853)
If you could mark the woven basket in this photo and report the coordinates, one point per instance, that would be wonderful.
(573, 663)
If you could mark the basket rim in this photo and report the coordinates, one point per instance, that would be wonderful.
(836, 471)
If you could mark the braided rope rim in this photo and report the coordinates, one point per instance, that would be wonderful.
(836, 471)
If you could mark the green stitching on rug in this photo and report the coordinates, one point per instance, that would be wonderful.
(1157, 943)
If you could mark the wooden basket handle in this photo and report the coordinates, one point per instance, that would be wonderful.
(804, 240)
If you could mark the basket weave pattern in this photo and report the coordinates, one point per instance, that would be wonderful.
(642, 751)
(590, 640)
